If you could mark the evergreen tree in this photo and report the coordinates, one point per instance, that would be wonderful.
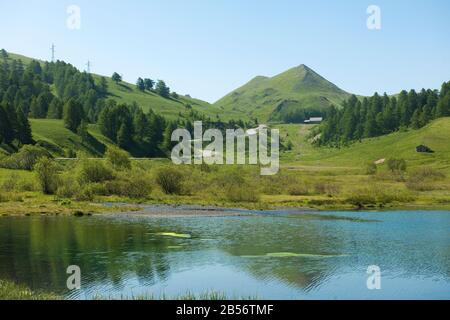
(116, 77)
(82, 131)
(162, 89)
(55, 109)
(73, 114)
(124, 136)
(6, 133)
(415, 119)
(24, 133)
(149, 83)
(167, 143)
(140, 84)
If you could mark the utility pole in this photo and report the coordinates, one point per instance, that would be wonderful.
(53, 52)
(88, 65)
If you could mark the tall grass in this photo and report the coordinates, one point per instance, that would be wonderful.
(12, 291)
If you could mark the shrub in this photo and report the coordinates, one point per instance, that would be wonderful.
(371, 168)
(14, 182)
(95, 171)
(396, 165)
(134, 185)
(25, 159)
(299, 190)
(118, 158)
(241, 193)
(46, 173)
(10, 183)
(377, 195)
(27, 185)
(68, 186)
(326, 188)
(86, 193)
(423, 179)
(170, 180)
(426, 173)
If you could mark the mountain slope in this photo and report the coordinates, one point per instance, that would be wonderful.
(398, 145)
(270, 99)
(58, 140)
(128, 93)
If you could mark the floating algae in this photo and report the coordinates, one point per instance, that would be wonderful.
(293, 255)
(174, 234)
(174, 247)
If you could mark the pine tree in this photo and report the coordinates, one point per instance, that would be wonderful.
(6, 135)
(415, 119)
(370, 126)
(149, 83)
(124, 136)
(167, 143)
(425, 116)
(73, 114)
(116, 77)
(140, 84)
(162, 89)
(24, 135)
(55, 109)
(82, 131)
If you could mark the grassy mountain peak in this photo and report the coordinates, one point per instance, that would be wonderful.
(273, 98)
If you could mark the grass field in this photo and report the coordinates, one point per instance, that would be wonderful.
(436, 135)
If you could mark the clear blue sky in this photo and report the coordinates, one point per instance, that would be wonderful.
(209, 47)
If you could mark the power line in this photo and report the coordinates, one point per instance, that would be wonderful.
(53, 52)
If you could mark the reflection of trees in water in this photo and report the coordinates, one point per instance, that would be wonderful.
(37, 251)
(252, 240)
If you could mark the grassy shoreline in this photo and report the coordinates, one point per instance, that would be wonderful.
(35, 205)
(10, 290)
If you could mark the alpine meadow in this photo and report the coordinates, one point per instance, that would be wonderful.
(93, 205)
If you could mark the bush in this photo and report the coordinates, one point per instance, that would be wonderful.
(10, 183)
(377, 195)
(25, 159)
(118, 158)
(46, 172)
(68, 186)
(426, 173)
(423, 179)
(92, 171)
(241, 193)
(396, 165)
(86, 193)
(326, 188)
(299, 190)
(134, 185)
(371, 168)
(14, 183)
(170, 180)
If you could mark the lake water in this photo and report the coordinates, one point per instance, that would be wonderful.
(272, 255)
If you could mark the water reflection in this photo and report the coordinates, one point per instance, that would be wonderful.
(272, 256)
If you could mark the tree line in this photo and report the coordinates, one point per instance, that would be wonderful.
(58, 90)
(149, 134)
(379, 115)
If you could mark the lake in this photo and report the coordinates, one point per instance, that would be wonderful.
(270, 255)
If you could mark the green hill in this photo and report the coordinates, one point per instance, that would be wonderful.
(53, 136)
(128, 93)
(436, 135)
(270, 99)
